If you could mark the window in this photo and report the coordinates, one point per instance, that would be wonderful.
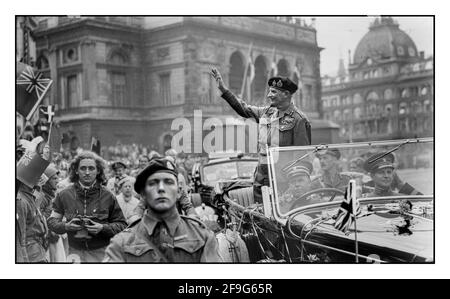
(118, 89)
(347, 114)
(372, 96)
(402, 109)
(118, 58)
(164, 89)
(405, 93)
(357, 113)
(388, 109)
(426, 106)
(72, 91)
(337, 115)
(42, 63)
(357, 99)
(236, 72)
(388, 95)
(411, 51)
(424, 91)
(372, 110)
(400, 51)
(70, 55)
(207, 93)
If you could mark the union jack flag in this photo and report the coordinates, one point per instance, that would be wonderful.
(31, 89)
(347, 211)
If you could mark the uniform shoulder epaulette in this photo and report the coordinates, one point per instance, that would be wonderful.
(195, 220)
(302, 115)
(128, 228)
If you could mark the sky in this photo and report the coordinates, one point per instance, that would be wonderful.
(340, 34)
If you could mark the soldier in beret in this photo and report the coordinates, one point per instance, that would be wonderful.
(162, 235)
(279, 124)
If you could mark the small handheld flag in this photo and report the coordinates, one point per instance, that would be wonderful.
(348, 209)
(31, 89)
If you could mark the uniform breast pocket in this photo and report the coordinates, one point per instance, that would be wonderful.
(286, 126)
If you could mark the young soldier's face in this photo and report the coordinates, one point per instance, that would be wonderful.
(87, 171)
(327, 161)
(161, 192)
(383, 177)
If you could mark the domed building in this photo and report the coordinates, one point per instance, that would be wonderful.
(387, 90)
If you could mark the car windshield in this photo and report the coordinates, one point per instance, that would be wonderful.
(307, 175)
(228, 170)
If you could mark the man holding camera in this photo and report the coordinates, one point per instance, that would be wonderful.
(92, 212)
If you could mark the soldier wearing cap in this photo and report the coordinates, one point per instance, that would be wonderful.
(162, 235)
(381, 168)
(279, 124)
(299, 180)
(119, 177)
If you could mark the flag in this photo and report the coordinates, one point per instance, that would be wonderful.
(31, 89)
(47, 111)
(95, 145)
(348, 209)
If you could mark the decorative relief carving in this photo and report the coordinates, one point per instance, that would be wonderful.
(162, 53)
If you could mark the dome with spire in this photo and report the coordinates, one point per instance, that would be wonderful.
(383, 41)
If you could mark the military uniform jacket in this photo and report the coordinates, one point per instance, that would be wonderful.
(179, 239)
(291, 127)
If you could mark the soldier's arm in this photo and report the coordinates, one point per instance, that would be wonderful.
(116, 220)
(242, 108)
(237, 104)
(302, 132)
(211, 250)
(21, 221)
(54, 222)
(114, 252)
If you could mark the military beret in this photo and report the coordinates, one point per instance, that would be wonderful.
(115, 164)
(283, 83)
(379, 161)
(155, 165)
(330, 151)
(299, 169)
(51, 170)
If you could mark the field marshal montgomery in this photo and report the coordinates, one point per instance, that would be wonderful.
(279, 124)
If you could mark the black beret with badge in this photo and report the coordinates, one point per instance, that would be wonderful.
(379, 161)
(283, 83)
(155, 165)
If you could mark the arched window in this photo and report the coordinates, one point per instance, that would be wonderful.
(400, 51)
(260, 80)
(236, 72)
(337, 115)
(388, 109)
(357, 113)
(388, 94)
(283, 69)
(424, 91)
(372, 96)
(42, 63)
(357, 99)
(118, 57)
(405, 93)
(347, 114)
(402, 108)
(167, 142)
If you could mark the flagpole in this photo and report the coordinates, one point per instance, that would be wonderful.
(245, 71)
(353, 197)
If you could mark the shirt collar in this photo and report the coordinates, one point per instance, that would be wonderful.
(172, 221)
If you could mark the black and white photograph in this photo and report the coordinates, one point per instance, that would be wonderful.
(295, 140)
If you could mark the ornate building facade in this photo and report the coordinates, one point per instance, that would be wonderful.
(387, 92)
(127, 78)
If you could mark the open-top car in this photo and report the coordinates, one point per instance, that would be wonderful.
(309, 215)
(221, 169)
